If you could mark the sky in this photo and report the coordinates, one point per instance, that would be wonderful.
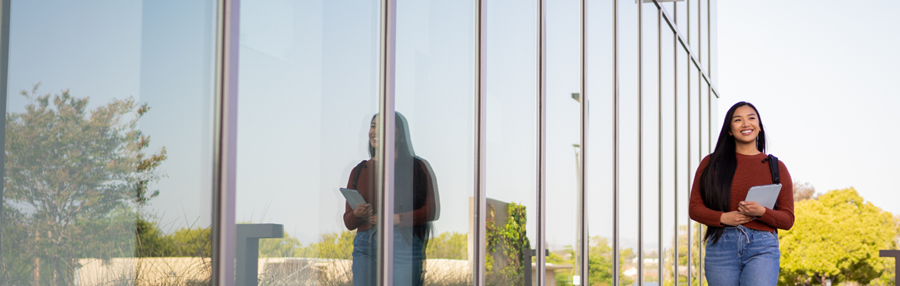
(821, 74)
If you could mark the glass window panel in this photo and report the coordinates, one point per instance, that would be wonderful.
(695, 155)
(599, 156)
(650, 162)
(511, 139)
(714, 42)
(434, 184)
(628, 140)
(309, 93)
(109, 146)
(563, 139)
(684, 172)
(681, 16)
(693, 33)
(669, 6)
(667, 64)
(704, 34)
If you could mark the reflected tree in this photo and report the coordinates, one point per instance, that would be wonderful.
(75, 180)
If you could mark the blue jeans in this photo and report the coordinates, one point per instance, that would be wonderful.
(408, 258)
(742, 256)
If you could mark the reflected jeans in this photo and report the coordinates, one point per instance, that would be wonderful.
(408, 258)
(743, 256)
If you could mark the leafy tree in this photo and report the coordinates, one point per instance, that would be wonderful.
(803, 191)
(508, 243)
(600, 263)
(448, 245)
(837, 236)
(73, 178)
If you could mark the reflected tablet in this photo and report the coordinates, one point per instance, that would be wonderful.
(354, 199)
(764, 195)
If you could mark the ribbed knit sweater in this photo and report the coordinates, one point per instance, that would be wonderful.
(751, 171)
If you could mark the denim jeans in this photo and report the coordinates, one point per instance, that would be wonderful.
(408, 258)
(743, 256)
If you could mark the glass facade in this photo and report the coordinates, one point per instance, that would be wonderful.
(391, 142)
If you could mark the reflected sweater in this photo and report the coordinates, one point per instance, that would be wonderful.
(751, 171)
(366, 186)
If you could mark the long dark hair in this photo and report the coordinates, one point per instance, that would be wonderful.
(715, 181)
(410, 179)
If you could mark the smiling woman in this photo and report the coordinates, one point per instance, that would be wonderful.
(738, 163)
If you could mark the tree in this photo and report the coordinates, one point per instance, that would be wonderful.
(803, 191)
(837, 236)
(73, 177)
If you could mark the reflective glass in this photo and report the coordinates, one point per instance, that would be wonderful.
(109, 144)
(668, 176)
(714, 42)
(563, 140)
(680, 13)
(650, 159)
(308, 82)
(684, 173)
(695, 155)
(511, 140)
(704, 34)
(599, 154)
(628, 140)
(693, 33)
(434, 181)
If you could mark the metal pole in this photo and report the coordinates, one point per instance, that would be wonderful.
(640, 112)
(224, 192)
(385, 154)
(542, 141)
(582, 178)
(615, 142)
(480, 143)
(4, 75)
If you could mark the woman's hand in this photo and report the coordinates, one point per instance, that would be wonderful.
(751, 209)
(363, 211)
(734, 218)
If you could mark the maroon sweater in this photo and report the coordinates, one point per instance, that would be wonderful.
(751, 171)
(366, 187)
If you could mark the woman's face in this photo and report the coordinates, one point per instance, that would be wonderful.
(373, 134)
(744, 125)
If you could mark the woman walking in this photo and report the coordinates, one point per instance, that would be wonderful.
(741, 238)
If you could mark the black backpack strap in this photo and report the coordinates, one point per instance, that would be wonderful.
(356, 171)
(773, 167)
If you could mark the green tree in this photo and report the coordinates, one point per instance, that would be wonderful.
(73, 178)
(837, 236)
(600, 263)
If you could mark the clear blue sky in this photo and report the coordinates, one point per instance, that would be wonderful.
(824, 77)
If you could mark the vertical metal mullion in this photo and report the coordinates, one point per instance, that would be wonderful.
(675, 139)
(582, 179)
(385, 154)
(688, 157)
(225, 167)
(480, 143)
(659, 29)
(542, 140)
(4, 76)
(615, 168)
(640, 163)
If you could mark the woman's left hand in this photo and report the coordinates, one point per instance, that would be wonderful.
(751, 209)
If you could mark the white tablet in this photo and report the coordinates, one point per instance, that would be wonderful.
(353, 197)
(764, 195)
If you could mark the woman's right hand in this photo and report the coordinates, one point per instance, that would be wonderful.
(363, 211)
(734, 218)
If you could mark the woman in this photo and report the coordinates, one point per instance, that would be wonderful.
(741, 238)
(414, 208)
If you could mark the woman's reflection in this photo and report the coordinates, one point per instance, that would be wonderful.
(415, 207)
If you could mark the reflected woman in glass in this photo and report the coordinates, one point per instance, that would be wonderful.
(741, 241)
(415, 207)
